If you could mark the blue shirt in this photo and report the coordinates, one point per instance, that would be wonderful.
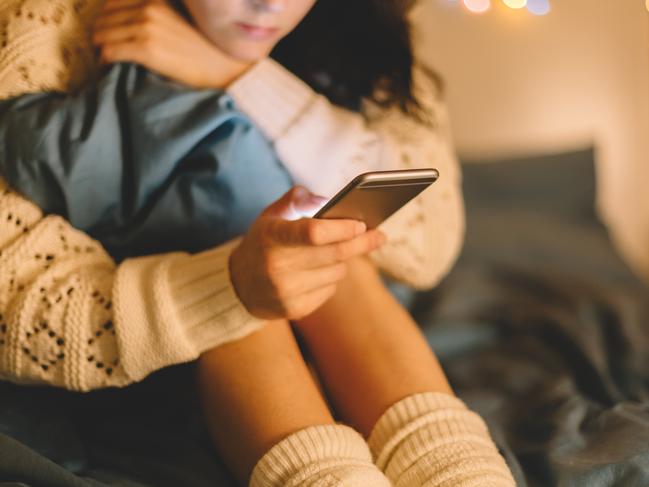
(141, 163)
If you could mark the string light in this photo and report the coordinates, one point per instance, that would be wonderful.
(477, 6)
(536, 7)
(542, 7)
(516, 3)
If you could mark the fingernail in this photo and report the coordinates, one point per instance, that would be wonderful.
(360, 228)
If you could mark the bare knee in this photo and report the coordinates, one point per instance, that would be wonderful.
(270, 328)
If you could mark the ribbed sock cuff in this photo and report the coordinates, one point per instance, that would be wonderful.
(327, 455)
(433, 439)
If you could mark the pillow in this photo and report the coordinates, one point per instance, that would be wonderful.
(563, 185)
(539, 213)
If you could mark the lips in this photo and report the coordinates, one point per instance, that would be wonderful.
(256, 32)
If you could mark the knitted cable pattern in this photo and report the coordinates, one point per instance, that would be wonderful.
(45, 45)
(56, 323)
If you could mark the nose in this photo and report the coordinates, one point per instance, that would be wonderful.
(272, 6)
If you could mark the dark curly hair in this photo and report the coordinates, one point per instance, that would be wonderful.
(354, 49)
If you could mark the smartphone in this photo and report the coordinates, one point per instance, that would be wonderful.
(373, 196)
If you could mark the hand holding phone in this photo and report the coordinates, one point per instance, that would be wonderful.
(286, 268)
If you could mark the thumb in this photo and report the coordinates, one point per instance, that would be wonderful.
(296, 203)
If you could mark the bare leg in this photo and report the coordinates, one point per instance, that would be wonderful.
(368, 350)
(255, 392)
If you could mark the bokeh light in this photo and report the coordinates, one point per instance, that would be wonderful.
(540, 7)
(536, 7)
(515, 3)
(477, 6)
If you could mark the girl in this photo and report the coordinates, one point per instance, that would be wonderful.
(169, 308)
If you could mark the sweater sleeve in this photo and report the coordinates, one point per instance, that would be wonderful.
(325, 146)
(71, 318)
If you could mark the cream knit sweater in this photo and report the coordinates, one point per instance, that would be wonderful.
(70, 317)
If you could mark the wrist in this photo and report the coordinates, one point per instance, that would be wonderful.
(224, 71)
(236, 268)
(233, 272)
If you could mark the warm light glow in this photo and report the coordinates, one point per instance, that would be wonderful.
(515, 3)
(541, 7)
(647, 4)
(477, 6)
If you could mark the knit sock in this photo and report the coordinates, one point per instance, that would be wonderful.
(319, 456)
(433, 439)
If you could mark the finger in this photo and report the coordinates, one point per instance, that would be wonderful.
(309, 302)
(315, 232)
(113, 5)
(306, 281)
(116, 35)
(314, 257)
(117, 18)
(296, 203)
(128, 51)
(309, 205)
(282, 207)
(324, 277)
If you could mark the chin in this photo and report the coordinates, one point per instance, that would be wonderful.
(248, 52)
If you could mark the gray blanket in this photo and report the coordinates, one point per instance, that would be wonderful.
(544, 330)
(541, 328)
